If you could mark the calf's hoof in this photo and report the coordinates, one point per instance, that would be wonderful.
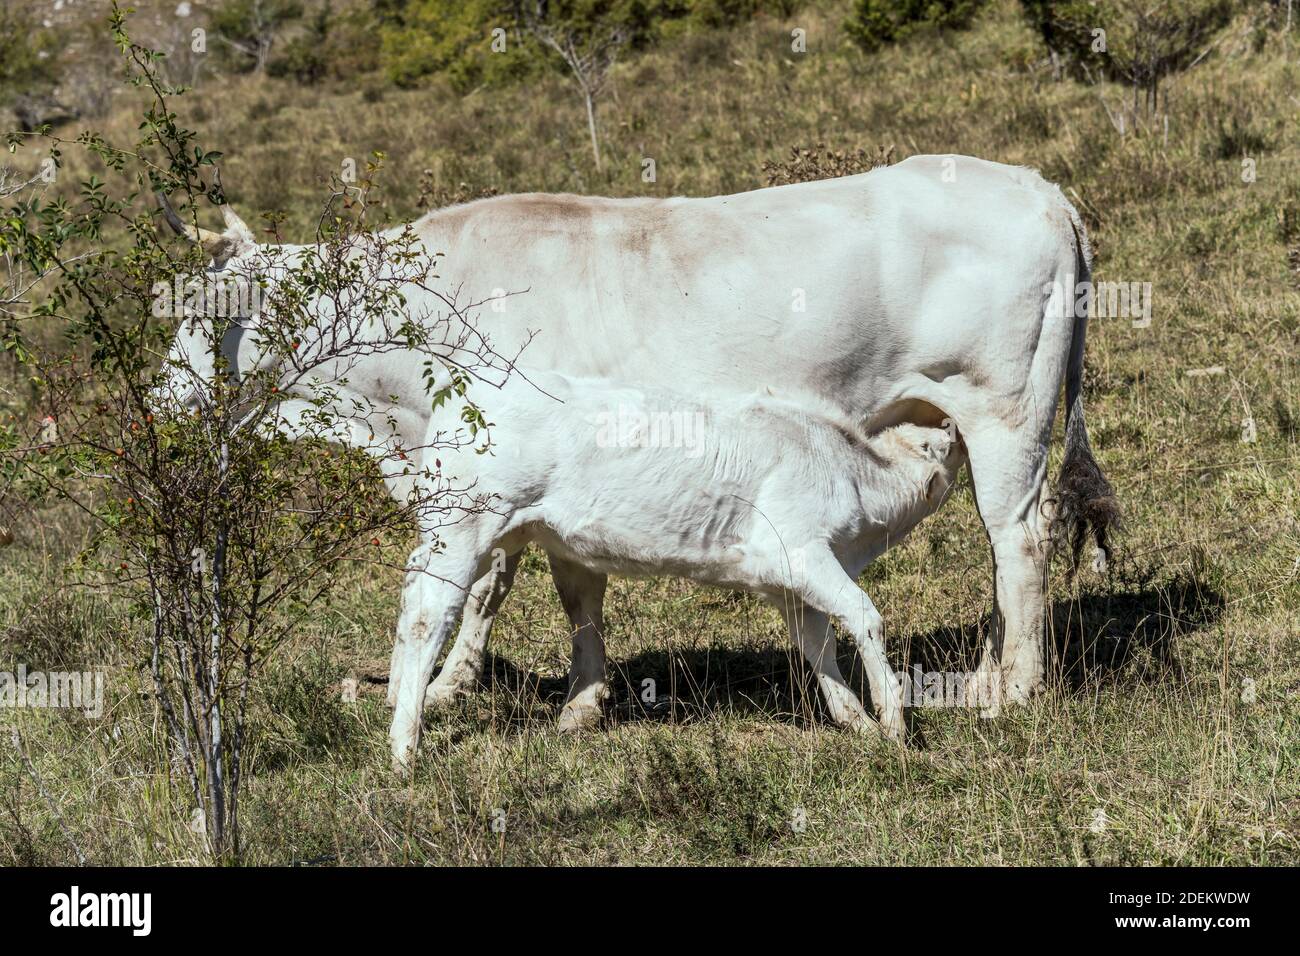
(863, 726)
(847, 711)
(402, 761)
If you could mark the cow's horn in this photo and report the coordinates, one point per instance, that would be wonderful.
(210, 241)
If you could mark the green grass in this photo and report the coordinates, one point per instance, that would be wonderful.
(1153, 722)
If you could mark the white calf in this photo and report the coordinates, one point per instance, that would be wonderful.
(774, 496)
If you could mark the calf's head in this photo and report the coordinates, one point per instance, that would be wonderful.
(923, 463)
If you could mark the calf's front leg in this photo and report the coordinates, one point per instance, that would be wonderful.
(810, 632)
(828, 586)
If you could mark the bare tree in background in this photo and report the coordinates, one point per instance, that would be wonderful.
(249, 28)
(589, 47)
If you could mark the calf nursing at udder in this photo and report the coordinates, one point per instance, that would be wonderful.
(777, 496)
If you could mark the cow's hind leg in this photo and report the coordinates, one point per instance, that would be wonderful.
(1009, 470)
(582, 592)
(464, 664)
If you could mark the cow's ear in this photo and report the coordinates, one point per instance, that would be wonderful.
(236, 227)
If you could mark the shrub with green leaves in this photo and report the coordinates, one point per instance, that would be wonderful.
(306, 57)
(218, 532)
(876, 23)
(455, 37)
(330, 45)
(451, 37)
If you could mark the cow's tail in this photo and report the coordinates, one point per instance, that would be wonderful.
(1085, 501)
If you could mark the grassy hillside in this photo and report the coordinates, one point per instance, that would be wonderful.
(1175, 735)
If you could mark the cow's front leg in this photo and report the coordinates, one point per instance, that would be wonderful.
(437, 587)
(464, 664)
(582, 592)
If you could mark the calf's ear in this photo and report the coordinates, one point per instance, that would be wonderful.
(932, 489)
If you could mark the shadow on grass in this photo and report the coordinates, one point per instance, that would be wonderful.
(1132, 635)
(680, 685)
(1120, 635)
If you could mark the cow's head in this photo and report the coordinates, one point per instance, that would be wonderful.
(228, 309)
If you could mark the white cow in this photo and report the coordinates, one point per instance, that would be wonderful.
(912, 293)
(767, 495)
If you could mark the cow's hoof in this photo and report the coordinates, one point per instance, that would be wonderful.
(990, 690)
(441, 695)
(1020, 692)
(579, 718)
(862, 725)
(893, 728)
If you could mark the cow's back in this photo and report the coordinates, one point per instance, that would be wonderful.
(840, 288)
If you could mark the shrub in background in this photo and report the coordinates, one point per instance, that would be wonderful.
(306, 57)
(1134, 43)
(245, 31)
(875, 23)
(331, 45)
(452, 37)
(678, 16)
(28, 67)
(27, 51)
(809, 163)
